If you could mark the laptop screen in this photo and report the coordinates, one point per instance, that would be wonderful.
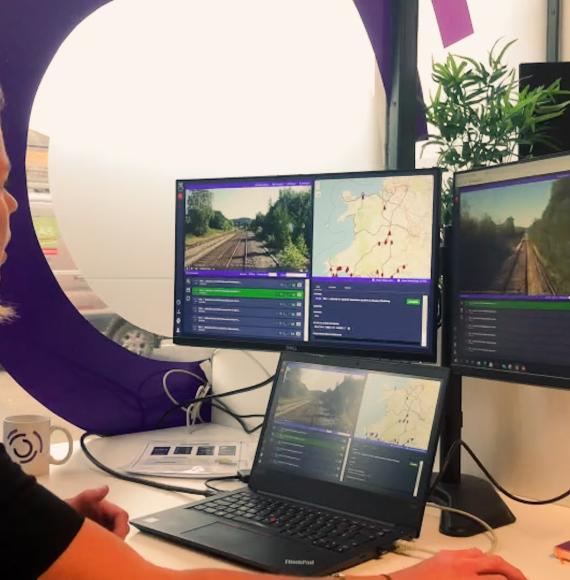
(360, 428)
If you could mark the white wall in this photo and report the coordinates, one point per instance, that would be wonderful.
(209, 88)
(565, 30)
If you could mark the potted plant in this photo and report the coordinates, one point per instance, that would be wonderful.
(480, 116)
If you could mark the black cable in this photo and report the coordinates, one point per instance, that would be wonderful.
(459, 443)
(503, 490)
(239, 418)
(223, 408)
(213, 396)
(208, 484)
(234, 392)
(133, 479)
(450, 454)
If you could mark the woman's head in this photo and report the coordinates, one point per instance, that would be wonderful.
(8, 205)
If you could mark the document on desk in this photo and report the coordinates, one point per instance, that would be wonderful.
(193, 459)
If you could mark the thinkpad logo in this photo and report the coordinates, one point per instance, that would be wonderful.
(299, 562)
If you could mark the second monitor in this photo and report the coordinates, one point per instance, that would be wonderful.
(511, 270)
(328, 262)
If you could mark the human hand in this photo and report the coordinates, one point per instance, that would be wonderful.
(461, 565)
(92, 504)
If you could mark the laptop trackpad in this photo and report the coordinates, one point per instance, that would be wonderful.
(265, 549)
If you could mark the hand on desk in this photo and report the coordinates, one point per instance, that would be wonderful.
(92, 504)
(461, 565)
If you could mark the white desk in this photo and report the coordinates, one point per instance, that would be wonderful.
(527, 544)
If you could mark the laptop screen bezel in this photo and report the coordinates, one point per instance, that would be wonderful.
(383, 505)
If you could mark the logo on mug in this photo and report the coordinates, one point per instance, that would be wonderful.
(24, 447)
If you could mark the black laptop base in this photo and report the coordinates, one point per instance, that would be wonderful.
(328, 542)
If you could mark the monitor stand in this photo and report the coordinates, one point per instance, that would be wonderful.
(476, 496)
(465, 492)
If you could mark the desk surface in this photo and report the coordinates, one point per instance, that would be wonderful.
(527, 544)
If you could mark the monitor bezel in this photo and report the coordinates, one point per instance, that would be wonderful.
(458, 368)
(309, 347)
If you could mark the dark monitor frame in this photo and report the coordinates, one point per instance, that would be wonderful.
(562, 382)
(341, 349)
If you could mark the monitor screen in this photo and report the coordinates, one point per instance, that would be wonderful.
(362, 428)
(511, 272)
(324, 262)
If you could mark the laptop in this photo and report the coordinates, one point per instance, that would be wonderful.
(341, 471)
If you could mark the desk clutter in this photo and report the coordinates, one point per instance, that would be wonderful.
(195, 459)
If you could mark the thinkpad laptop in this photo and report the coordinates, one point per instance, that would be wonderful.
(341, 471)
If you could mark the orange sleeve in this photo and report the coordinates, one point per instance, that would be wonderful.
(97, 554)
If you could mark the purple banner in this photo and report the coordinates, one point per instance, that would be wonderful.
(50, 349)
(377, 16)
(453, 19)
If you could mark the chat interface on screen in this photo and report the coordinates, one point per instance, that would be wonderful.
(321, 261)
(360, 428)
(513, 275)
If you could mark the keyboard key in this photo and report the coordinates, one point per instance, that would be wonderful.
(326, 530)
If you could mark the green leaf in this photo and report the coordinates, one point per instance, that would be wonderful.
(504, 50)
(478, 115)
(547, 117)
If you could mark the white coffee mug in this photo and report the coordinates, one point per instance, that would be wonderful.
(27, 441)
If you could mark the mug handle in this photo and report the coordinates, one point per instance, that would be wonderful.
(67, 434)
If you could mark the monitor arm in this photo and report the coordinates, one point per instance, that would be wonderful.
(465, 492)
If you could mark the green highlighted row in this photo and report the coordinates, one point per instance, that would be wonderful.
(309, 441)
(517, 305)
(249, 293)
(413, 301)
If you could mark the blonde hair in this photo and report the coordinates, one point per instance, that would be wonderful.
(7, 313)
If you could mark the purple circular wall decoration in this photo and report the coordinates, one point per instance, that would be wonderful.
(51, 350)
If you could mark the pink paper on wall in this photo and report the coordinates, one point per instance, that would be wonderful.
(453, 19)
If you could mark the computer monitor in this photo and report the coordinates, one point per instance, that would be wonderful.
(511, 272)
(557, 130)
(343, 262)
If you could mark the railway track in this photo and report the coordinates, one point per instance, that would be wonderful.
(516, 279)
(232, 254)
(527, 274)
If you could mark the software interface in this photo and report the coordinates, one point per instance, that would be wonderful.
(360, 428)
(328, 261)
(512, 269)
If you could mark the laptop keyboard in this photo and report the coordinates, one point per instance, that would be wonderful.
(320, 528)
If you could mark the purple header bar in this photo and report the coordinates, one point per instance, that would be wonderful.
(241, 184)
(519, 181)
(537, 297)
(343, 279)
(239, 274)
(303, 276)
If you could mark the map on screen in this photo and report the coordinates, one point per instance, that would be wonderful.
(373, 227)
(398, 410)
